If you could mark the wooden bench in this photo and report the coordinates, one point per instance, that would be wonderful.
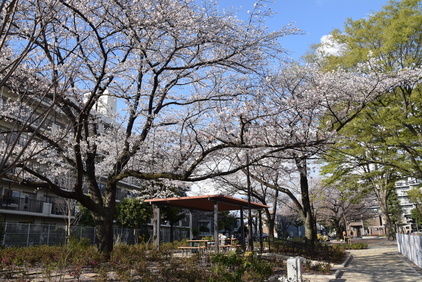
(225, 247)
(186, 249)
(228, 247)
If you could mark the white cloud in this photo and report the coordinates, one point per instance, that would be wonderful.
(329, 47)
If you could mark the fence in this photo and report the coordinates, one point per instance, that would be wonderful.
(411, 247)
(26, 234)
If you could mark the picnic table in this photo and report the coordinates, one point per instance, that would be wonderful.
(195, 245)
(203, 245)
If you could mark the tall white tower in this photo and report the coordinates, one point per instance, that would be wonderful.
(106, 105)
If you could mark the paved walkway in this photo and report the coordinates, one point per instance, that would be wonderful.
(381, 262)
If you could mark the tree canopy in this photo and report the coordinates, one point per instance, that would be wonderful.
(135, 91)
(382, 143)
(393, 35)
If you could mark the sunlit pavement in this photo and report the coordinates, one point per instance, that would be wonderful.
(381, 262)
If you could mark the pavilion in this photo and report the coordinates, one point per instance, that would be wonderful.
(215, 203)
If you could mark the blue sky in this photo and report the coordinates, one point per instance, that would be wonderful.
(315, 17)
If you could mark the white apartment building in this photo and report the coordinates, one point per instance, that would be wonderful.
(22, 204)
(402, 188)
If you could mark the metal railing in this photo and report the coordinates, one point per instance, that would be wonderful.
(27, 234)
(35, 206)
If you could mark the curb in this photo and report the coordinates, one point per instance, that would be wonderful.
(346, 261)
(311, 277)
(336, 274)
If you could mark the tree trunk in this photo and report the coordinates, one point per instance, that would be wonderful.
(391, 236)
(171, 232)
(104, 232)
(270, 222)
(271, 217)
(104, 218)
(382, 193)
(310, 232)
(337, 223)
(308, 218)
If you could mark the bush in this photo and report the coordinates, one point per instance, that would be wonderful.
(336, 254)
(318, 251)
(234, 267)
(140, 262)
(357, 246)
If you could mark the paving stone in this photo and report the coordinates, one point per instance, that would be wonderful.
(381, 262)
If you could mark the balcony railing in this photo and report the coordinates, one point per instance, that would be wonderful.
(35, 206)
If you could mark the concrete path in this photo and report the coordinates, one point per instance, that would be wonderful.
(381, 262)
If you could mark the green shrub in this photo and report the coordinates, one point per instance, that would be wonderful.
(234, 267)
(354, 246)
(131, 262)
(357, 246)
(186, 269)
(336, 254)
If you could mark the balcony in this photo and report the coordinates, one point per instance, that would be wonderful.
(55, 207)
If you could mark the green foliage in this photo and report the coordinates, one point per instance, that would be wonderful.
(84, 217)
(392, 34)
(387, 132)
(416, 215)
(353, 246)
(415, 195)
(320, 251)
(71, 258)
(357, 246)
(140, 262)
(133, 213)
(234, 267)
(195, 232)
(172, 214)
(226, 221)
(337, 253)
(394, 207)
(376, 149)
(187, 270)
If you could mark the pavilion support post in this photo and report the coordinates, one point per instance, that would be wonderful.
(242, 230)
(156, 226)
(216, 241)
(261, 244)
(190, 225)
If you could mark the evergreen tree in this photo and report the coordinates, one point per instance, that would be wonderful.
(383, 143)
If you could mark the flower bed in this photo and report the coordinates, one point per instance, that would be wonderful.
(142, 262)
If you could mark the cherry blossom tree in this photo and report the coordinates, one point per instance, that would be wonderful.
(305, 109)
(340, 204)
(20, 28)
(17, 40)
(165, 62)
(196, 99)
(238, 184)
